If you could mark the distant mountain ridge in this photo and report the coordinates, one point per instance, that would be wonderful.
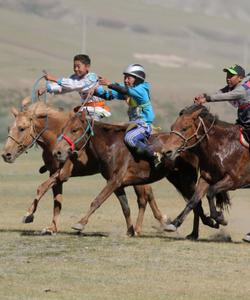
(229, 9)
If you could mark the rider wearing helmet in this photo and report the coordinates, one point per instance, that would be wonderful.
(136, 92)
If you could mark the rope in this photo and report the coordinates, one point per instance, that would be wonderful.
(34, 95)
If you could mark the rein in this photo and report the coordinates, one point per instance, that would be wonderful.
(184, 147)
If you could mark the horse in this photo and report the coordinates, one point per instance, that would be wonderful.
(224, 159)
(121, 168)
(42, 124)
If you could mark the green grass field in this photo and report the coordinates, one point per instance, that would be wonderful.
(102, 262)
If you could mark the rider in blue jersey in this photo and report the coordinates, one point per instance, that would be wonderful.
(136, 92)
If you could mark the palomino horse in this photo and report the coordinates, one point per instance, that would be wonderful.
(42, 124)
(224, 161)
(120, 168)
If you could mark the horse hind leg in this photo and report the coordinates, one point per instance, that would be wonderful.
(121, 195)
(142, 204)
(57, 192)
(145, 195)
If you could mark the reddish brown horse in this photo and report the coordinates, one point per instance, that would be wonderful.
(120, 168)
(42, 124)
(224, 161)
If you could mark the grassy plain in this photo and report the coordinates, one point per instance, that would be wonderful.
(102, 263)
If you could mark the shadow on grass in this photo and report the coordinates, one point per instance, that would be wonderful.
(162, 236)
(181, 239)
(39, 233)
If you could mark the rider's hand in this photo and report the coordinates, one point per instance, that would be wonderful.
(200, 99)
(103, 81)
(41, 91)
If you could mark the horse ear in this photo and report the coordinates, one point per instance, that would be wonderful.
(25, 103)
(14, 111)
(196, 113)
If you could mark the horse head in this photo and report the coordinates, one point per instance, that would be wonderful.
(74, 137)
(30, 126)
(20, 135)
(186, 132)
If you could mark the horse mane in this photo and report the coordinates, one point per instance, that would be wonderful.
(42, 109)
(205, 114)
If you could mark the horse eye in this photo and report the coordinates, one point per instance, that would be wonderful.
(74, 130)
(21, 129)
(184, 129)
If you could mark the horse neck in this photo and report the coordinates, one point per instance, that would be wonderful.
(49, 127)
(101, 140)
(217, 131)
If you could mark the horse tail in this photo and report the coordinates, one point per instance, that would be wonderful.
(223, 200)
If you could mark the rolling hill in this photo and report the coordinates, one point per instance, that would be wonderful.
(183, 47)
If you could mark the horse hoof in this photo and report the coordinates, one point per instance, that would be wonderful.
(192, 237)
(170, 227)
(247, 238)
(221, 220)
(78, 227)
(131, 231)
(28, 219)
(43, 169)
(164, 218)
(47, 231)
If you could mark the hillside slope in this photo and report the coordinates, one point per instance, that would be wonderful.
(182, 46)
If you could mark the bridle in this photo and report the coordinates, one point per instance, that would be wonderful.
(201, 124)
(35, 137)
(88, 132)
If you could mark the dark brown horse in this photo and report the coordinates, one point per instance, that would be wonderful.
(120, 168)
(224, 161)
(42, 124)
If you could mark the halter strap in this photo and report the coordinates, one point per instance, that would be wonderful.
(73, 144)
(184, 147)
(24, 147)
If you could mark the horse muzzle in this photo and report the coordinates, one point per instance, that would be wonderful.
(171, 154)
(59, 155)
(8, 157)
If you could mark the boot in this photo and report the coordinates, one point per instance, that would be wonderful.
(153, 157)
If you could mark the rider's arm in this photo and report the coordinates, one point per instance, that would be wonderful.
(74, 84)
(237, 94)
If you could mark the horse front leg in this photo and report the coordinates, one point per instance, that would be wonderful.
(111, 186)
(200, 191)
(121, 195)
(221, 186)
(41, 190)
(206, 220)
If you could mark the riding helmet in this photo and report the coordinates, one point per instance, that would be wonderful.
(135, 70)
